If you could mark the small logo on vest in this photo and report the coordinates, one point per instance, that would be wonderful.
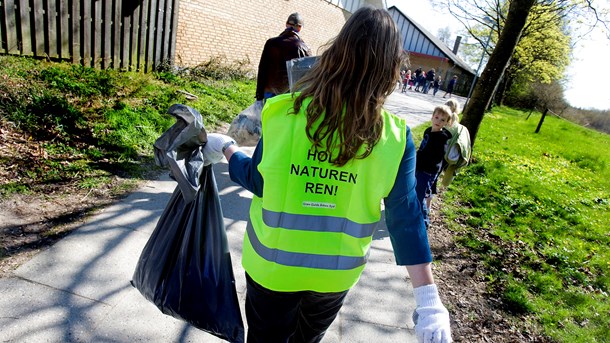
(319, 204)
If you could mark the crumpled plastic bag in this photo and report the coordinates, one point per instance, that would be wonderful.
(185, 268)
(246, 128)
(297, 67)
(180, 149)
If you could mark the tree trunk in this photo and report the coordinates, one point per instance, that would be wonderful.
(498, 61)
(505, 84)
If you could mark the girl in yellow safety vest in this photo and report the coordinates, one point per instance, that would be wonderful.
(331, 155)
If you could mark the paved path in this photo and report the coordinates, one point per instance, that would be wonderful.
(416, 107)
(78, 290)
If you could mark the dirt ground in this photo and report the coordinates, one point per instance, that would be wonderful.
(31, 223)
(476, 312)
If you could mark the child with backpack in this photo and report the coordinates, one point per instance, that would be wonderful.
(430, 156)
(458, 147)
(457, 153)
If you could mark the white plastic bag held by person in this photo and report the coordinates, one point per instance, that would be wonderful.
(246, 127)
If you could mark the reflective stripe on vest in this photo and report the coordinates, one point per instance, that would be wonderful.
(317, 223)
(295, 259)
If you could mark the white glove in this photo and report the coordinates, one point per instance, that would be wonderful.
(431, 317)
(213, 150)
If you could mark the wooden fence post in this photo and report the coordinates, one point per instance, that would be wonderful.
(541, 120)
(130, 35)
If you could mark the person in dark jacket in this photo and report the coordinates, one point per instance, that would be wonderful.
(430, 75)
(418, 78)
(272, 75)
(451, 86)
(420, 82)
(437, 84)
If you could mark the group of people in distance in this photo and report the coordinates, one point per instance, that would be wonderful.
(305, 247)
(421, 81)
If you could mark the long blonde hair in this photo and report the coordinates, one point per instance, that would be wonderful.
(349, 84)
(454, 106)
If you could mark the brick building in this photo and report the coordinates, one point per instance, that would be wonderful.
(237, 30)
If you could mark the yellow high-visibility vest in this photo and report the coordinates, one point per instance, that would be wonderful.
(313, 227)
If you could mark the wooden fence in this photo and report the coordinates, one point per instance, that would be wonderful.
(127, 34)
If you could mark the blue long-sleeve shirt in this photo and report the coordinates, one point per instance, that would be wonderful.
(402, 210)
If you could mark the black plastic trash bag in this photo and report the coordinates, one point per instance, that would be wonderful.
(179, 149)
(185, 268)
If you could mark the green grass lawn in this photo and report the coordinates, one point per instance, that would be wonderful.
(537, 211)
(92, 124)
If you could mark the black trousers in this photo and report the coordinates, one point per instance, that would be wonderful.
(289, 317)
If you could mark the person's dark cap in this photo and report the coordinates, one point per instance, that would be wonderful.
(295, 19)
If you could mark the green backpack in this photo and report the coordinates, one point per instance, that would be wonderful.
(458, 152)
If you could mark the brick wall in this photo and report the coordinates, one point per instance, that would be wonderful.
(237, 30)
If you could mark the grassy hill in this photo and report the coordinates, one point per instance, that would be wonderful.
(85, 125)
(534, 209)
